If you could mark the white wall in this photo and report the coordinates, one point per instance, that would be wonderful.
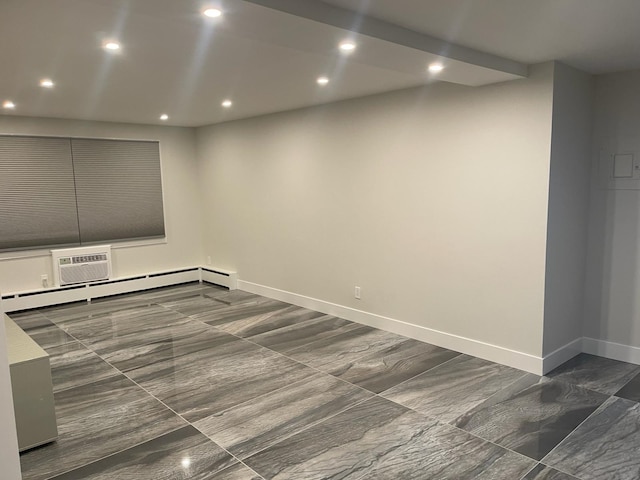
(181, 202)
(612, 311)
(433, 200)
(568, 207)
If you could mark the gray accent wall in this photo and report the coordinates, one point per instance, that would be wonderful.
(568, 207)
(612, 309)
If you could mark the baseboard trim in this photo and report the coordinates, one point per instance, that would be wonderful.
(561, 355)
(487, 351)
(27, 300)
(612, 350)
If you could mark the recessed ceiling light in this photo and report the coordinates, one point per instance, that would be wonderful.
(111, 45)
(46, 83)
(322, 81)
(227, 104)
(212, 12)
(164, 117)
(347, 46)
(9, 104)
(436, 67)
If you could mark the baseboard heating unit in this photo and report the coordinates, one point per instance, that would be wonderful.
(77, 292)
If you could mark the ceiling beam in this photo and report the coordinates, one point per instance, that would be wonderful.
(359, 23)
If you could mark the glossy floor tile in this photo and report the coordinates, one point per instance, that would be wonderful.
(605, 446)
(631, 391)
(197, 382)
(380, 370)
(336, 351)
(380, 439)
(202, 388)
(182, 454)
(453, 388)
(97, 420)
(310, 328)
(532, 415)
(73, 365)
(259, 423)
(596, 373)
(265, 317)
(542, 472)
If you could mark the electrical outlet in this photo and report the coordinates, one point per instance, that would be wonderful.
(357, 293)
(208, 260)
(44, 280)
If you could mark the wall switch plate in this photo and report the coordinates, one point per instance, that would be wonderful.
(44, 280)
(357, 293)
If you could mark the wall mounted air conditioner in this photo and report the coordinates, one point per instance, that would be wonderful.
(81, 265)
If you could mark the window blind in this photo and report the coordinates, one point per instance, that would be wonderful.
(118, 189)
(63, 191)
(37, 193)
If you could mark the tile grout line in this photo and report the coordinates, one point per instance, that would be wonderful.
(379, 395)
(600, 407)
(152, 396)
(337, 378)
(151, 302)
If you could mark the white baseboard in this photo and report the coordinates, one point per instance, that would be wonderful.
(13, 302)
(561, 355)
(614, 351)
(487, 351)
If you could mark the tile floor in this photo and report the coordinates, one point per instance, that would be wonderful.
(196, 382)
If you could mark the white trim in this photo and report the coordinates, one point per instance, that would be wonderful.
(612, 350)
(217, 276)
(561, 355)
(12, 302)
(494, 353)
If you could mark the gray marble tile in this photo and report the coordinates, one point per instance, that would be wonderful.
(449, 390)
(541, 472)
(41, 329)
(176, 292)
(122, 322)
(532, 415)
(49, 337)
(631, 391)
(335, 351)
(445, 453)
(253, 319)
(30, 319)
(596, 373)
(310, 328)
(182, 454)
(603, 447)
(225, 377)
(380, 439)
(192, 305)
(264, 421)
(381, 370)
(235, 297)
(184, 344)
(73, 365)
(237, 471)
(83, 310)
(97, 420)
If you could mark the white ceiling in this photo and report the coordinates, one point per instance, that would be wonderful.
(598, 36)
(266, 54)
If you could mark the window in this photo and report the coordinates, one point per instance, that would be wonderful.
(66, 192)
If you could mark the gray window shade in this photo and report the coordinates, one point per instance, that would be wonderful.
(37, 194)
(118, 188)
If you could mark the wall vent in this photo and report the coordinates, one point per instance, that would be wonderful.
(81, 265)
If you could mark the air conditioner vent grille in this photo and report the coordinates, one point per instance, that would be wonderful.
(82, 265)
